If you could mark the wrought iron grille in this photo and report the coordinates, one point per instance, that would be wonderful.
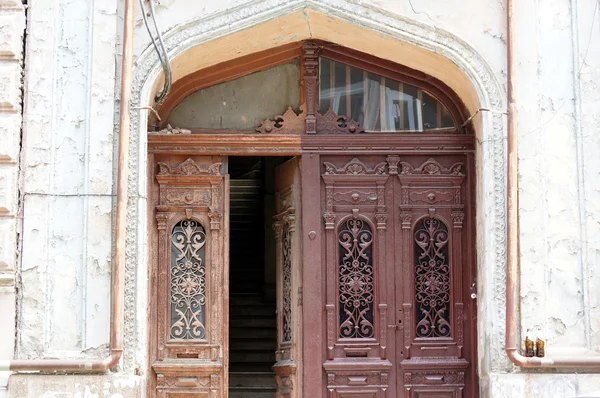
(287, 283)
(356, 287)
(188, 281)
(432, 279)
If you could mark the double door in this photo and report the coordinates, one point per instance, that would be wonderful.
(374, 276)
(398, 276)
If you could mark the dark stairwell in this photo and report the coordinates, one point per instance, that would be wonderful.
(252, 337)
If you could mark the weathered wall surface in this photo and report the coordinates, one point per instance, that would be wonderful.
(67, 174)
(67, 169)
(12, 29)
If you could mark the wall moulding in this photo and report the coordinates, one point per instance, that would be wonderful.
(274, 23)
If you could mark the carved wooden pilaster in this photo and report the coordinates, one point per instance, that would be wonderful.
(310, 63)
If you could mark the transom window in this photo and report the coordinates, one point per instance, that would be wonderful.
(378, 103)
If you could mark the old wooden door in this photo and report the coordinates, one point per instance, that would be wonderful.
(189, 344)
(289, 278)
(397, 270)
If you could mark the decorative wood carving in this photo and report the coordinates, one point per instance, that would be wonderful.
(310, 64)
(332, 123)
(355, 167)
(188, 168)
(288, 123)
(433, 167)
(188, 345)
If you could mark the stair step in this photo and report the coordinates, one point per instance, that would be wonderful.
(252, 310)
(242, 345)
(246, 299)
(251, 322)
(251, 367)
(241, 393)
(252, 379)
(262, 356)
(255, 333)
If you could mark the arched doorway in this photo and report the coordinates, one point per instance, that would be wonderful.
(373, 198)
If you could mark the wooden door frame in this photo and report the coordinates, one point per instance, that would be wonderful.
(310, 144)
(311, 148)
(182, 147)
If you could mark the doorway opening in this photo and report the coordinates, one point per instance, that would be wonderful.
(252, 303)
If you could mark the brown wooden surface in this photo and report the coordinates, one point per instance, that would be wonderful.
(189, 188)
(289, 216)
(393, 362)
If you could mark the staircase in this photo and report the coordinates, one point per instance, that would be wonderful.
(246, 249)
(252, 330)
(252, 345)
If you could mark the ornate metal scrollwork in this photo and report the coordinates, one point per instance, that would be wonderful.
(188, 281)
(432, 279)
(286, 241)
(356, 279)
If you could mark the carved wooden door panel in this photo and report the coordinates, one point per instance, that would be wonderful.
(430, 252)
(395, 280)
(190, 340)
(289, 276)
(356, 215)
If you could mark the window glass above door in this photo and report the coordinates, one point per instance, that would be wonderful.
(378, 103)
(241, 103)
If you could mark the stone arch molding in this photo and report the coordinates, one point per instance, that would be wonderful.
(491, 201)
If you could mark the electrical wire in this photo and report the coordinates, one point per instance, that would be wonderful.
(161, 51)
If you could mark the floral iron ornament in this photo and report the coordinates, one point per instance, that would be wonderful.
(188, 281)
(432, 279)
(356, 285)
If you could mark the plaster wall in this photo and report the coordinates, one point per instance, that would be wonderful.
(12, 29)
(67, 193)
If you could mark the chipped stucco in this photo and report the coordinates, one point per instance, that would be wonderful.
(68, 164)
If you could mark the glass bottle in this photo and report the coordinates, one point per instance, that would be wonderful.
(539, 344)
(529, 344)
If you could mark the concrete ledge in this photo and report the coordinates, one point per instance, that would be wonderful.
(101, 386)
(537, 385)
